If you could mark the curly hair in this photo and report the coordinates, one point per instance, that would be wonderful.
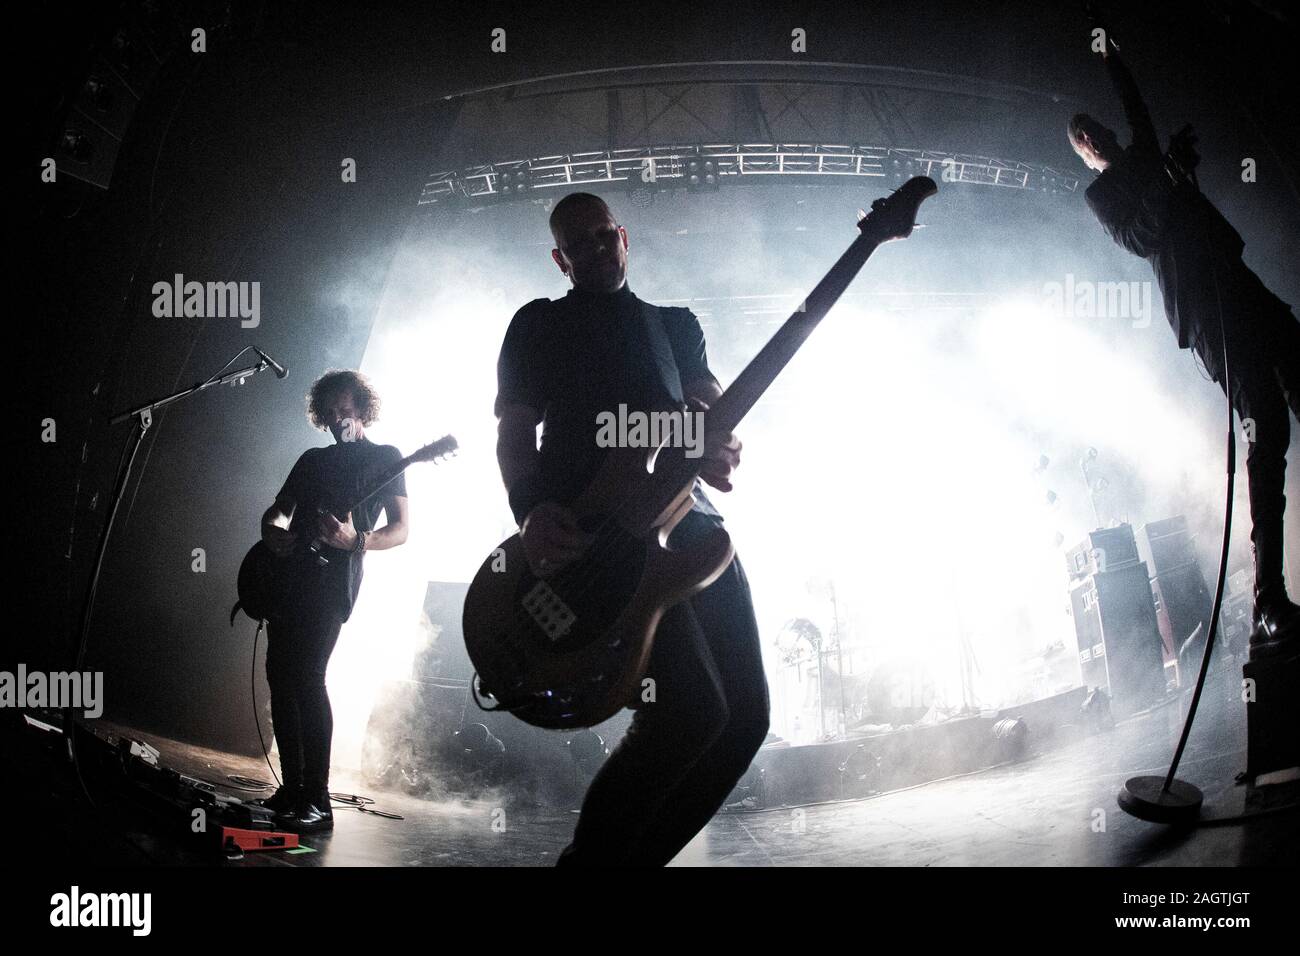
(329, 385)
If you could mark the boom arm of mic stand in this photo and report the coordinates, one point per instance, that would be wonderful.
(247, 372)
(144, 419)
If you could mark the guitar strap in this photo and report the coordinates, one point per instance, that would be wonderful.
(661, 350)
(670, 376)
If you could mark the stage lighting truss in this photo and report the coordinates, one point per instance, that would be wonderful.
(707, 167)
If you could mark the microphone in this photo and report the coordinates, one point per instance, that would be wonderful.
(280, 370)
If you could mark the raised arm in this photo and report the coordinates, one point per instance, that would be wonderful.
(1135, 110)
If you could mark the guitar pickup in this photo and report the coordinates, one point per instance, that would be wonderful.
(548, 612)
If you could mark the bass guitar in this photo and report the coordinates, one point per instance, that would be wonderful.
(570, 649)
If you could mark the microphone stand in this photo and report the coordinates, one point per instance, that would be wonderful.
(145, 410)
(1168, 799)
(143, 415)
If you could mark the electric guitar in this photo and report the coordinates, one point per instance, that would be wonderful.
(265, 576)
(569, 650)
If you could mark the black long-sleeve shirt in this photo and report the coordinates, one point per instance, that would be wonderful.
(1186, 240)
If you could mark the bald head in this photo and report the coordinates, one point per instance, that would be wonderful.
(572, 206)
(590, 245)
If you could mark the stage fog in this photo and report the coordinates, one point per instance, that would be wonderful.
(986, 393)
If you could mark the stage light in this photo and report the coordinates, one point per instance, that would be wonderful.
(702, 174)
(98, 92)
(476, 750)
(77, 145)
(588, 751)
(397, 766)
(512, 182)
(1011, 736)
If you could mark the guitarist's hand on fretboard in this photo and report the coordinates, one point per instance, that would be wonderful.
(335, 533)
(721, 452)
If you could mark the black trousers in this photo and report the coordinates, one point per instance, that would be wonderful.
(1264, 374)
(298, 649)
(685, 751)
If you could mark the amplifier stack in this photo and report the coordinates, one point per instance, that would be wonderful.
(1119, 642)
(1183, 602)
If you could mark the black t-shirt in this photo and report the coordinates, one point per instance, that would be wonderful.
(333, 477)
(587, 353)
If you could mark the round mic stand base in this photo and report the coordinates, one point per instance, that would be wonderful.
(1147, 799)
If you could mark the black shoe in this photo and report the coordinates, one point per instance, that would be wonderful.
(282, 801)
(1275, 628)
(309, 815)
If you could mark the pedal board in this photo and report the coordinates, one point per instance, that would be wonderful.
(253, 840)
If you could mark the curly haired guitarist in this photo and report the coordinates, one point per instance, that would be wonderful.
(304, 627)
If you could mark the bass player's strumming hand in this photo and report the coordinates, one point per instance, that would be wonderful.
(336, 533)
(721, 452)
(551, 538)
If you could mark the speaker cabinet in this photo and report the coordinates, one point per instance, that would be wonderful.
(1120, 648)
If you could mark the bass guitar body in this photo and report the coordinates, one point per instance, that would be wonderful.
(570, 649)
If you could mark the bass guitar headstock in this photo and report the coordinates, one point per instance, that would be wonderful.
(894, 216)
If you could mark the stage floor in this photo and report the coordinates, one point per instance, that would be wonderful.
(1053, 809)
